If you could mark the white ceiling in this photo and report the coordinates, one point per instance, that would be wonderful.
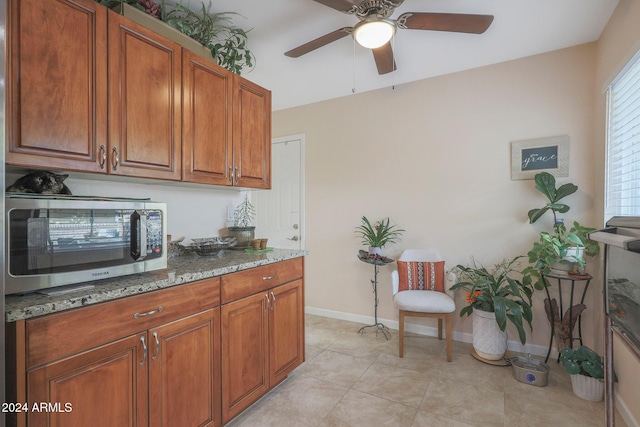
(520, 28)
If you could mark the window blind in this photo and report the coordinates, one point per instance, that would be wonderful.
(622, 186)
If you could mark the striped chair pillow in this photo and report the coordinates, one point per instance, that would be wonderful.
(421, 275)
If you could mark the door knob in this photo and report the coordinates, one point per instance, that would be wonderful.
(294, 238)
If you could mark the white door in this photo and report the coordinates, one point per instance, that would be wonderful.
(280, 211)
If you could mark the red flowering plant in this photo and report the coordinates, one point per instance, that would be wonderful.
(502, 290)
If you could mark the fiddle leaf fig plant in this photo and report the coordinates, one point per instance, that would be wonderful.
(553, 247)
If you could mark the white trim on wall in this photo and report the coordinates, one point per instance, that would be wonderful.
(514, 346)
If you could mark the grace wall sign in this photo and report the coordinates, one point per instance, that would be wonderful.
(532, 156)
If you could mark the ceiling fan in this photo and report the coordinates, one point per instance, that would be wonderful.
(376, 29)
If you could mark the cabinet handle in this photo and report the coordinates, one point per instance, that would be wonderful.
(148, 313)
(231, 174)
(273, 303)
(116, 158)
(103, 156)
(237, 174)
(144, 351)
(155, 356)
(266, 309)
(268, 277)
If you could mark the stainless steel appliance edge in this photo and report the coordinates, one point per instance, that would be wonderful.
(3, 62)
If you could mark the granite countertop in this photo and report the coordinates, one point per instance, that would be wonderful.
(180, 270)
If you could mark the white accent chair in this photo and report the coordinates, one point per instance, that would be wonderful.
(423, 303)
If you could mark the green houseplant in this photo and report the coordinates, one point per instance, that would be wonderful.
(558, 246)
(586, 368)
(378, 234)
(499, 291)
(213, 30)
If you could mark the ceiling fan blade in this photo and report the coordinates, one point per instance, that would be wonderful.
(384, 59)
(319, 42)
(341, 5)
(456, 22)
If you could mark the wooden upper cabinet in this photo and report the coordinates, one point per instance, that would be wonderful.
(206, 135)
(145, 106)
(57, 84)
(251, 134)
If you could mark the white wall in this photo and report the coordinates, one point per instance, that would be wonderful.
(434, 156)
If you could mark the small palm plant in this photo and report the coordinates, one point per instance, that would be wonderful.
(378, 234)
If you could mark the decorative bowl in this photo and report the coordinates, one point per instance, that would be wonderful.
(210, 246)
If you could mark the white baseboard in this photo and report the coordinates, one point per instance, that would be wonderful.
(625, 413)
(514, 346)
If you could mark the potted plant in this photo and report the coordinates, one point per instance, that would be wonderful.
(559, 250)
(495, 297)
(378, 234)
(206, 32)
(586, 368)
(215, 31)
(242, 229)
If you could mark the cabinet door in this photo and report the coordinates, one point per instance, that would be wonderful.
(184, 372)
(144, 101)
(251, 134)
(207, 99)
(286, 330)
(57, 84)
(106, 387)
(244, 353)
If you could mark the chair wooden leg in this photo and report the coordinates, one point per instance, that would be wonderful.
(449, 327)
(401, 333)
(439, 328)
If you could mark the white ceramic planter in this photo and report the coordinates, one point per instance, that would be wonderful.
(375, 250)
(587, 388)
(572, 255)
(489, 341)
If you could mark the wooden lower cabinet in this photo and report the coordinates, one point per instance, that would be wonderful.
(262, 342)
(286, 330)
(166, 376)
(184, 372)
(106, 387)
(172, 357)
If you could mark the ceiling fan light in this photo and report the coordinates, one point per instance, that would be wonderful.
(374, 33)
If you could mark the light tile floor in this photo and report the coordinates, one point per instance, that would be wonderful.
(350, 379)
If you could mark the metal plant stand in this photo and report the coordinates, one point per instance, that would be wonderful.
(376, 261)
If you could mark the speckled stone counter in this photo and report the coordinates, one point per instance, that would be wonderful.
(180, 270)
